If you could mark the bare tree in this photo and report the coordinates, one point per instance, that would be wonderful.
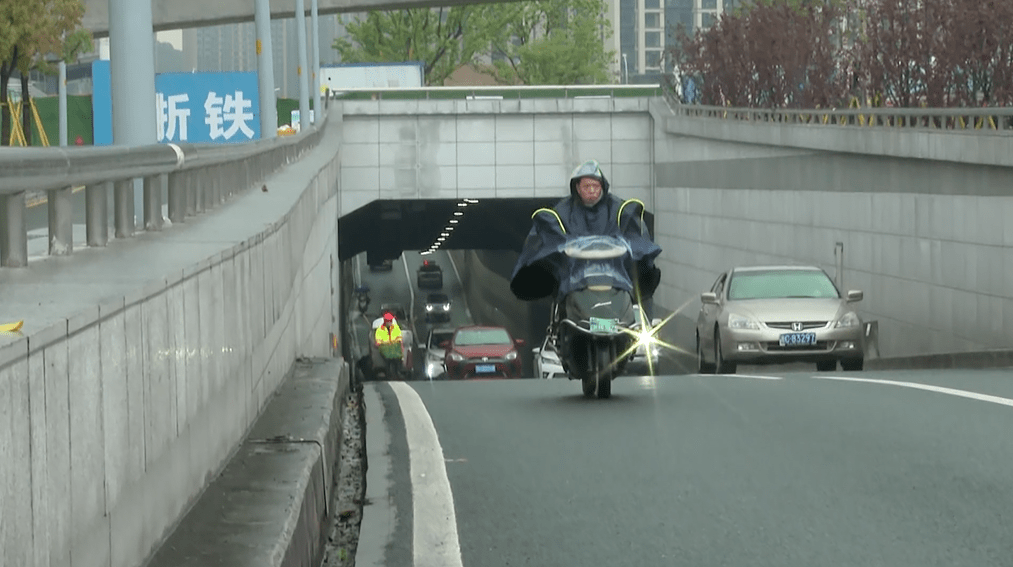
(821, 53)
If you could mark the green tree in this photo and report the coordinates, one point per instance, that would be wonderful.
(15, 25)
(551, 42)
(31, 31)
(443, 39)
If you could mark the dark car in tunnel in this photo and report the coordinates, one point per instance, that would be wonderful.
(478, 351)
(430, 275)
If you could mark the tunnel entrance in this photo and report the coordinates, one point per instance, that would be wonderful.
(384, 229)
(381, 245)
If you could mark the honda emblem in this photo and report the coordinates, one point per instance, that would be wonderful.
(796, 326)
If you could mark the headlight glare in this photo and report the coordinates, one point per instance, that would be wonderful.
(740, 322)
(849, 319)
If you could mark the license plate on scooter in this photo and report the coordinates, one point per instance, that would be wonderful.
(603, 325)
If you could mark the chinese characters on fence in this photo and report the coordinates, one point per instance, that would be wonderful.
(225, 116)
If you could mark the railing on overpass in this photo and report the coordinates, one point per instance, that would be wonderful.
(991, 120)
(199, 177)
(498, 92)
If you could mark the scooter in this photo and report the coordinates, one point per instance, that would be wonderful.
(362, 293)
(595, 324)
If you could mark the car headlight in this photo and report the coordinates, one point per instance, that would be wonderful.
(740, 322)
(446, 307)
(456, 357)
(429, 307)
(511, 355)
(849, 319)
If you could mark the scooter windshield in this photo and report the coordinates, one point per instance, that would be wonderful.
(597, 261)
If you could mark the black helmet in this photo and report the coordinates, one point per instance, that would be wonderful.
(589, 168)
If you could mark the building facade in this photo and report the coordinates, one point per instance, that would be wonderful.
(645, 30)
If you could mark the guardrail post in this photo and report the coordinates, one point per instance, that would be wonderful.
(201, 187)
(153, 202)
(96, 216)
(61, 221)
(177, 197)
(123, 201)
(13, 231)
(192, 181)
(214, 197)
(839, 257)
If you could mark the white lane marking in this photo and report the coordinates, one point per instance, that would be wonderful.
(464, 298)
(926, 387)
(751, 376)
(435, 542)
(411, 290)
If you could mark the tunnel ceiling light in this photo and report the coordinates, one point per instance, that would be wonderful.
(444, 234)
(472, 201)
(454, 221)
(462, 204)
(458, 214)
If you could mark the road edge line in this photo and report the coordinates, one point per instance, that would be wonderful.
(435, 540)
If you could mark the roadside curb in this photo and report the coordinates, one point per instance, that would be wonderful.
(272, 505)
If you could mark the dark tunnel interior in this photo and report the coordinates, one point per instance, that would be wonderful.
(385, 228)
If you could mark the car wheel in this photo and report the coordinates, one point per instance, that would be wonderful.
(721, 366)
(826, 365)
(853, 364)
(702, 367)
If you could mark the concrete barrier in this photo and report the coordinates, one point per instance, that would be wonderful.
(143, 365)
(272, 505)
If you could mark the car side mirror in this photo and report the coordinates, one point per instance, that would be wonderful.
(444, 344)
(519, 342)
(709, 297)
(855, 295)
(536, 350)
(655, 322)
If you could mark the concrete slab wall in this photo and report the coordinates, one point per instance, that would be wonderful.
(450, 149)
(927, 240)
(115, 419)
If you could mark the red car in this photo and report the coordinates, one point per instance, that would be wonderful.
(483, 352)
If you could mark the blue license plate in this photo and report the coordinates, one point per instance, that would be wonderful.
(485, 368)
(603, 325)
(797, 339)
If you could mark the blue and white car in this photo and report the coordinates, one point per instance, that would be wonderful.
(547, 364)
(435, 352)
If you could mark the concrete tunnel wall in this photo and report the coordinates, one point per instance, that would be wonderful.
(120, 417)
(923, 237)
(928, 241)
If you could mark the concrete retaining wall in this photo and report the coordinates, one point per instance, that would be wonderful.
(928, 241)
(117, 417)
(490, 148)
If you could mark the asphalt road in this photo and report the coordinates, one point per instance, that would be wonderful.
(396, 286)
(794, 470)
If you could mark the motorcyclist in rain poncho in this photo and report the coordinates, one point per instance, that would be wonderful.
(542, 270)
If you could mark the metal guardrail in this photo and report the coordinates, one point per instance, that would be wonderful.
(199, 177)
(980, 121)
(498, 92)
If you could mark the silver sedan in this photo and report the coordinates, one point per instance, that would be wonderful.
(777, 315)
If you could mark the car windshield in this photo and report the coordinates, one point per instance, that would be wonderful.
(438, 298)
(773, 284)
(473, 337)
(440, 337)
